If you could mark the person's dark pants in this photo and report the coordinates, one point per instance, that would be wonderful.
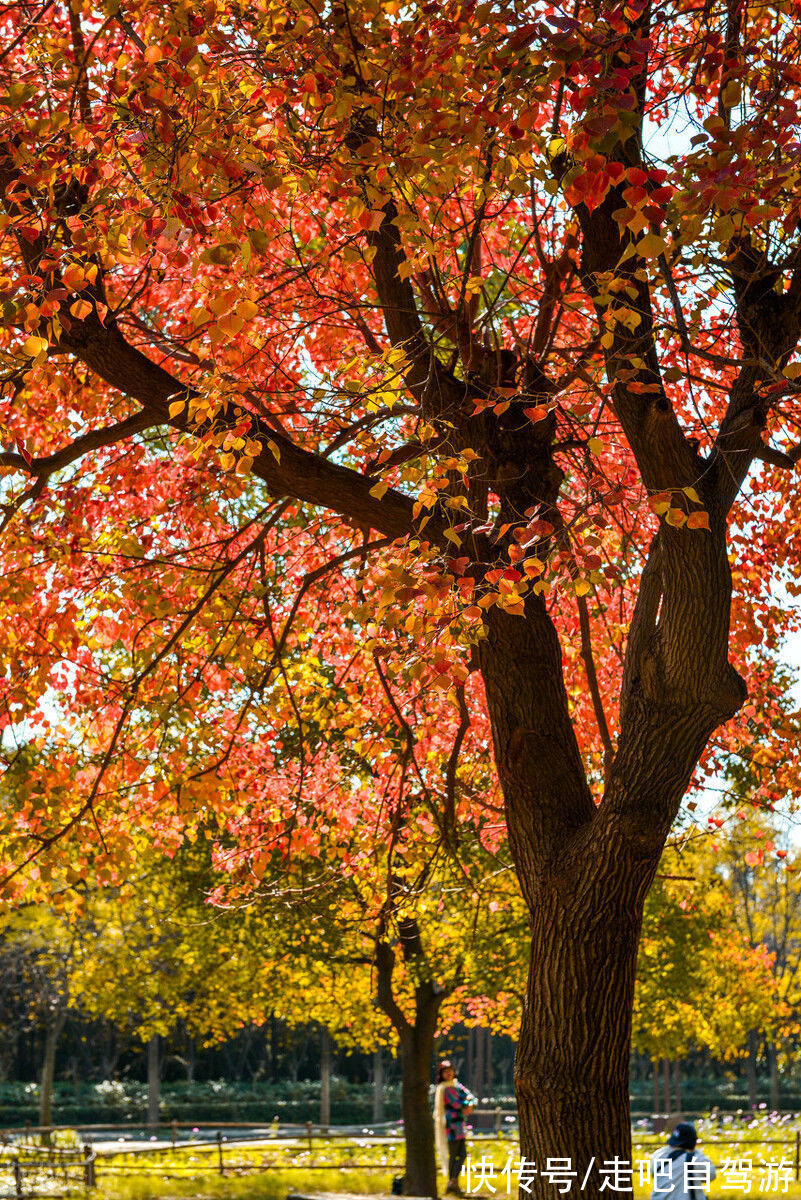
(457, 1153)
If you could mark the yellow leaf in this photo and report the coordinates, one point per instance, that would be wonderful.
(80, 309)
(581, 587)
(676, 517)
(693, 495)
(732, 94)
(176, 407)
(595, 445)
(792, 370)
(651, 246)
(247, 310)
(274, 450)
(379, 490)
(453, 537)
(34, 346)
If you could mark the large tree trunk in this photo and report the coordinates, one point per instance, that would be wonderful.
(585, 868)
(572, 1069)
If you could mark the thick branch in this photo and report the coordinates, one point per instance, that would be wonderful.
(665, 457)
(544, 784)
(93, 440)
(287, 471)
(385, 996)
(769, 322)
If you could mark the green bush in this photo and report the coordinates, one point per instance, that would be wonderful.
(115, 1102)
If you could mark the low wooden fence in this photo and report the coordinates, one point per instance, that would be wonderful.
(32, 1169)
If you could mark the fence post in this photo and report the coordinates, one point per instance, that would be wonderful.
(174, 1131)
(309, 1134)
(219, 1151)
(89, 1177)
(797, 1155)
(498, 1119)
(17, 1177)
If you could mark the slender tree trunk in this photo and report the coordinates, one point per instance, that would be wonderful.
(53, 1032)
(325, 1079)
(478, 1064)
(153, 1081)
(655, 1080)
(273, 1048)
(378, 1085)
(753, 1042)
(677, 1086)
(666, 1086)
(489, 1088)
(471, 1058)
(773, 1067)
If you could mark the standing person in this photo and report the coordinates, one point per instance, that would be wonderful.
(452, 1103)
(678, 1170)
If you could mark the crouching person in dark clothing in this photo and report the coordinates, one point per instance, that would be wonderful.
(678, 1170)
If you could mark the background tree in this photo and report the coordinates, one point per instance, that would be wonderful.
(701, 984)
(759, 866)
(42, 950)
(426, 916)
